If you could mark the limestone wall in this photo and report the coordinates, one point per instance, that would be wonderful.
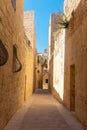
(52, 28)
(56, 56)
(70, 6)
(39, 74)
(30, 33)
(29, 72)
(16, 78)
(58, 68)
(75, 93)
(29, 26)
(45, 81)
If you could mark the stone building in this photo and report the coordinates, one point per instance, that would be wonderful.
(75, 86)
(39, 72)
(52, 28)
(67, 59)
(29, 27)
(56, 56)
(30, 34)
(15, 59)
(45, 69)
(58, 68)
(45, 80)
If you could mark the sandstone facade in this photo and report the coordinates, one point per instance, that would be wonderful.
(45, 81)
(30, 34)
(56, 56)
(52, 28)
(29, 26)
(58, 67)
(70, 6)
(75, 93)
(15, 74)
(67, 60)
(39, 73)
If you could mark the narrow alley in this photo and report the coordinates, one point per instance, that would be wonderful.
(43, 112)
(43, 65)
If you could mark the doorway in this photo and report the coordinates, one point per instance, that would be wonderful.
(72, 88)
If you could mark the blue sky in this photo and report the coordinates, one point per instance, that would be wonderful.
(43, 9)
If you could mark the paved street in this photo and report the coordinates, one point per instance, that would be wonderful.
(43, 112)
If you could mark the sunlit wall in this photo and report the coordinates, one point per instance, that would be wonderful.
(58, 69)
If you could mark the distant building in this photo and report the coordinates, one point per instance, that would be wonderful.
(39, 71)
(30, 35)
(53, 28)
(29, 26)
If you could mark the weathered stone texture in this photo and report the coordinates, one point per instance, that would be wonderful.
(45, 81)
(70, 6)
(29, 73)
(52, 29)
(15, 87)
(39, 73)
(74, 91)
(76, 55)
(29, 26)
(56, 47)
(58, 68)
(29, 29)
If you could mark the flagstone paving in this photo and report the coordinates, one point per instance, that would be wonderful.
(43, 112)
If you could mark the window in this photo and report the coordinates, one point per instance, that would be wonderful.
(13, 4)
(46, 80)
(38, 71)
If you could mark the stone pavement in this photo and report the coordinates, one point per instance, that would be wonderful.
(43, 112)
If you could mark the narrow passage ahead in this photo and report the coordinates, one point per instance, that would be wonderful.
(43, 112)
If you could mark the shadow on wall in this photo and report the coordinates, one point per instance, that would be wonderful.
(56, 95)
(17, 66)
(75, 90)
(3, 54)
